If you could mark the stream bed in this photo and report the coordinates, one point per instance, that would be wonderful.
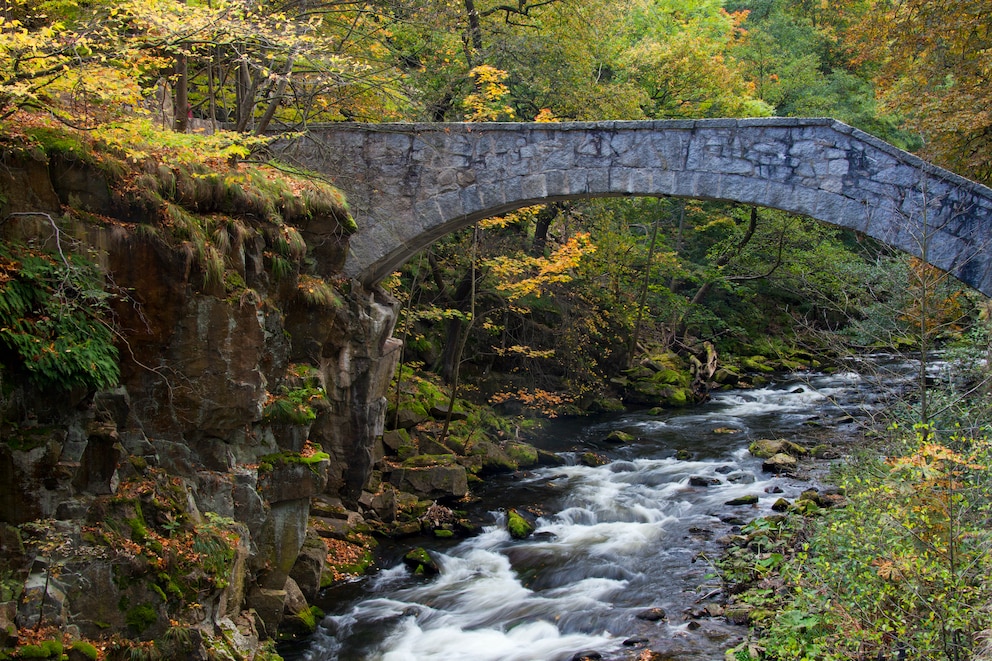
(620, 554)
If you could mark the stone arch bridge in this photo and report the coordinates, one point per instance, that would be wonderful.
(409, 184)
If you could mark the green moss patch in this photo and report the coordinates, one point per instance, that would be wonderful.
(518, 526)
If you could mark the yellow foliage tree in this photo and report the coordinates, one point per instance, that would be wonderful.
(487, 103)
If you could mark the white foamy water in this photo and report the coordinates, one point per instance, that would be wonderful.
(611, 541)
(566, 589)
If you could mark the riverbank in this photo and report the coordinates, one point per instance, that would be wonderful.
(891, 563)
(614, 540)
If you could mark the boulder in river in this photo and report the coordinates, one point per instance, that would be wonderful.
(749, 499)
(592, 460)
(654, 614)
(780, 505)
(780, 463)
(767, 447)
(590, 655)
(518, 525)
(618, 436)
(420, 562)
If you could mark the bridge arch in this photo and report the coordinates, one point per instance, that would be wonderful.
(410, 184)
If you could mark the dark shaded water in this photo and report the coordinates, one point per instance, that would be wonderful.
(612, 541)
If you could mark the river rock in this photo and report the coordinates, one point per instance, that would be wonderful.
(738, 614)
(826, 452)
(813, 496)
(654, 614)
(524, 455)
(545, 458)
(589, 655)
(749, 499)
(592, 460)
(766, 448)
(420, 562)
(309, 565)
(269, 605)
(433, 482)
(618, 436)
(726, 377)
(519, 526)
(780, 463)
(490, 457)
(780, 505)
(703, 481)
(298, 620)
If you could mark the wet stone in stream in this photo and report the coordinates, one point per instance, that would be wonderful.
(621, 528)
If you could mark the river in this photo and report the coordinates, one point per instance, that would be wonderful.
(616, 545)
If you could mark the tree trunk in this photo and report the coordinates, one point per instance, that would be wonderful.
(461, 345)
(474, 32)
(679, 241)
(456, 333)
(246, 97)
(276, 96)
(632, 348)
(545, 217)
(180, 104)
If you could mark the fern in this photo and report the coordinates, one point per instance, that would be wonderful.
(52, 320)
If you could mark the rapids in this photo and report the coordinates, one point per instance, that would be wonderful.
(613, 545)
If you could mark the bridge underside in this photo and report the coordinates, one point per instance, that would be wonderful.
(410, 184)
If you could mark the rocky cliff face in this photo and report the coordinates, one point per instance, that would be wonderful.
(240, 401)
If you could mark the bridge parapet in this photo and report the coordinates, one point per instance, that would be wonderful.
(409, 184)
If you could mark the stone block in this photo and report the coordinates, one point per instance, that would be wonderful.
(281, 536)
(433, 482)
(309, 565)
(291, 477)
(269, 606)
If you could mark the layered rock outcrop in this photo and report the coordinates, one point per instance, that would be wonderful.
(241, 398)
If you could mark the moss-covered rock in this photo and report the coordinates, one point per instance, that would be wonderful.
(420, 562)
(618, 436)
(432, 482)
(524, 455)
(424, 460)
(592, 459)
(80, 650)
(518, 526)
(780, 463)
(757, 363)
(492, 458)
(48, 649)
(766, 447)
